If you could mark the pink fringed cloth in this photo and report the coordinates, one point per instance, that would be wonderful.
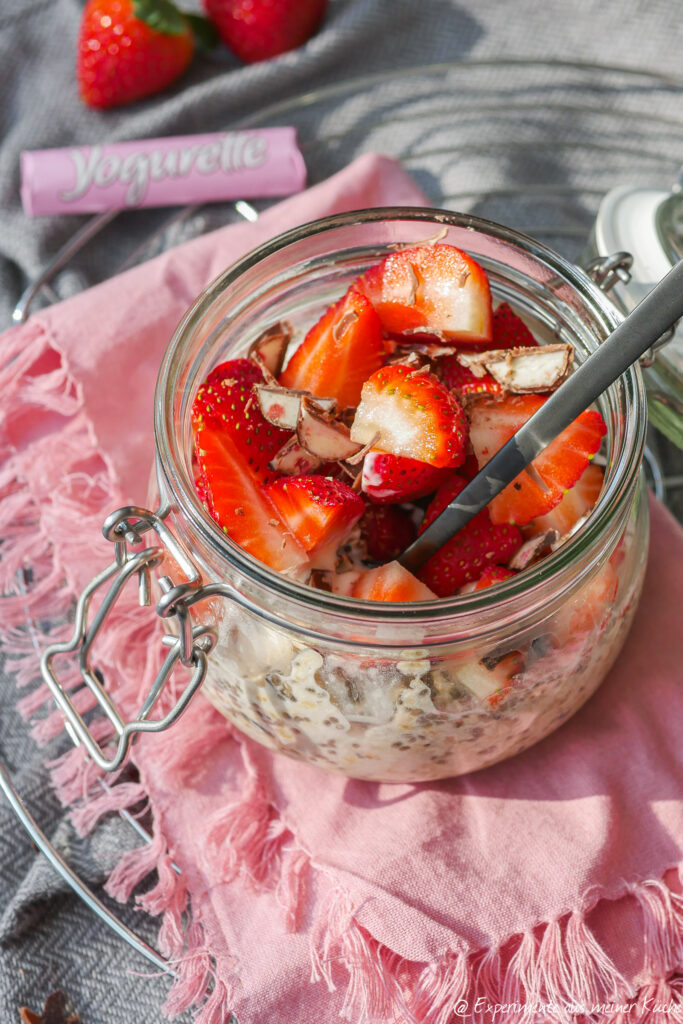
(543, 889)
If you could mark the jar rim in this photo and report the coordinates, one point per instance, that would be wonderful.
(613, 500)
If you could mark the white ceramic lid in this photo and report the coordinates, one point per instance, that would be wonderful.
(626, 222)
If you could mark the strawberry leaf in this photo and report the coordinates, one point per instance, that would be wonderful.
(204, 32)
(161, 15)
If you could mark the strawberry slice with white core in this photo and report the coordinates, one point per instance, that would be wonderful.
(431, 289)
(319, 511)
(240, 507)
(577, 503)
(339, 352)
(390, 582)
(539, 487)
(409, 412)
(389, 479)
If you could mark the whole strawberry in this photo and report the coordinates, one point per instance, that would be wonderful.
(128, 49)
(259, 29)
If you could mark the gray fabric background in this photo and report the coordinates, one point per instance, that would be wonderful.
(47, 938)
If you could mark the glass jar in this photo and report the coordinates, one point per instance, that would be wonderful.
(404, 692)
(390, 692)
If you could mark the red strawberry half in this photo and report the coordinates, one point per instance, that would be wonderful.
(540, 487)
(464, 557)
(409, 412)
(339, 353)
(394, 479)
(226, 402)
(320, 513)
(509, 330)
(239, 505)
(388, 531)
(260, 29)
(431, 289)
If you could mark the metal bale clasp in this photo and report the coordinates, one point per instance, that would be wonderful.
(125, 528)
(608, 271)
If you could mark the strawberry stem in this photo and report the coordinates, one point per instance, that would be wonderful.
(161, 15)
(204, 32)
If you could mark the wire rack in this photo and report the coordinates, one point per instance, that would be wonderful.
(532, 144)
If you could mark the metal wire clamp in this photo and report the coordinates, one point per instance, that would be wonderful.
(606, 272)
(191, 647)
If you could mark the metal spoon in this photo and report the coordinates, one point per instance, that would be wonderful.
(658, 311)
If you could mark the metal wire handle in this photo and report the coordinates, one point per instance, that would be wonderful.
(191, 647)
(606, 271)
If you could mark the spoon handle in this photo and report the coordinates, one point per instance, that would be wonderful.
(657, 312)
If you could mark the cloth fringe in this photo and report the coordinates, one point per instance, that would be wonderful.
(247, 837)
(290, 891)
(557, 973)
(54, 483)
(53, 473)
(373, 988)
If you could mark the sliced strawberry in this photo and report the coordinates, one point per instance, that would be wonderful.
(540, 487)
(240, 507)
(462, 380)
(492, 678)
(409, 412)
(509, 330)
(320, 513)
(226, 402)
(431, 289)
(199, 482)
(464, 557)
(493, 574)
(619, 554)
(443, 497)
(201, 488)
(339, 353)
(473, 549)
(394, 478)
(469, 468)
(589, 609)
(390, 582)
(576, 503)
(388, 531)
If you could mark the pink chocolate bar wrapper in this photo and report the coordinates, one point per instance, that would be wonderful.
(162, 172)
